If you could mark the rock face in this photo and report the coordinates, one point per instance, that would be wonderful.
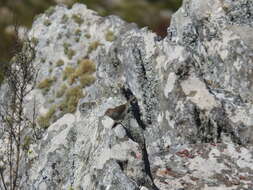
(189, 122)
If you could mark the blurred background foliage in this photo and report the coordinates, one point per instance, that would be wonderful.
(152, 13)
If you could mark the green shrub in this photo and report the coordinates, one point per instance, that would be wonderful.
(85, 66)
(64, 19)
(86, 80)
(68, 71)
(61, 91)
(68, 51)
(46, 83)
(88, 36)
(71, 53)
(34, 41)
(109, 36)
(44, 120)
(50, 11)
(93, 46)
(27, 142)
(47, 22)
(70, 102)
(78, 32)
(77, 18)
(1, 77)
(59, 63)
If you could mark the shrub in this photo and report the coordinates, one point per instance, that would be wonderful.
(68, 51)
(64, 19)
(27, 142)
(88, 36)
(67, 72)
(61, 91)
(50, 11)
(70, 102)
(85, 66)
(44, 120)
(59, 63)
(46, 83)
(87, 80)
(93, 46)
(34, 41)
(78, 32)
(47, 22)
(77, 18)
(110, 36)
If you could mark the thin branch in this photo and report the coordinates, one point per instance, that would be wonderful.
(2, 179)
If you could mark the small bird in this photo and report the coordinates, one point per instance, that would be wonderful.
(118, 113)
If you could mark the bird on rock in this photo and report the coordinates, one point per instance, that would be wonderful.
(118, 113)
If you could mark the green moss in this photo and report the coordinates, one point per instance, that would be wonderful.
(86, 80)
(47, 22)
(70, 102)
(109, 36)
(59, 63)
(61, 91)
(93, 46)
(77, 18)
(46, 83)
(44, 120)
(64, 19)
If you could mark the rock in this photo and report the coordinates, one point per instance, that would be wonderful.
(190, 126)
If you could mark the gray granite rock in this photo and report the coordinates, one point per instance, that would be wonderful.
(189, 125)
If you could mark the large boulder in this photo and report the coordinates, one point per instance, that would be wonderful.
(188, 118)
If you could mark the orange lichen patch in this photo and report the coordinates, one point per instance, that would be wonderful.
(170, 172)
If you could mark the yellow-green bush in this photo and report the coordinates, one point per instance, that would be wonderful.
(93, 46)
(44, 120)
(68, 51)
(86, 80)
(27, 142)
(67, 72)
(59, 63)
(61, 91)
(88, 36)
(77, 18)
(109, 36)
(46, 83)
(85, 66)
(70, 102)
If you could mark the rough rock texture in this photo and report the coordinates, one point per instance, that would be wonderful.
(190, 123)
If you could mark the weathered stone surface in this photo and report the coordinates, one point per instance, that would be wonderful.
(190, 123)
